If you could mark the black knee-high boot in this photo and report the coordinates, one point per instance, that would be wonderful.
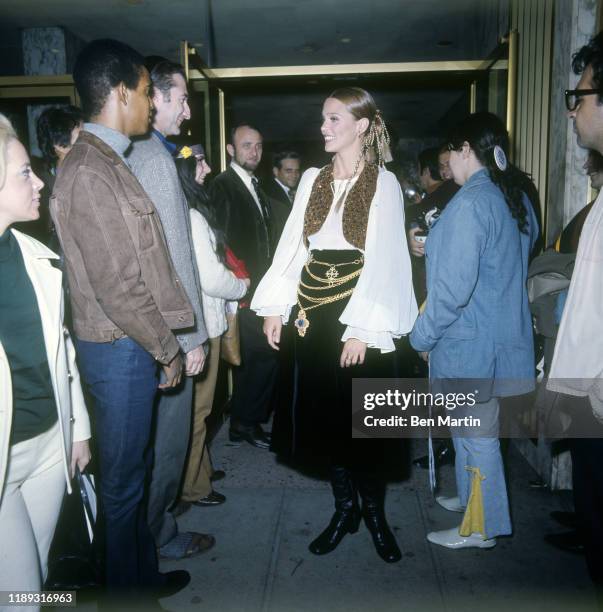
(347, 514)
(372, 493)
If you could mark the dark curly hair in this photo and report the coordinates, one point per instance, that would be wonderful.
(54, 128)
(101, 66)
(591, 55)
(428, 158)
(280, 156)
(483, 132)
(196, 197)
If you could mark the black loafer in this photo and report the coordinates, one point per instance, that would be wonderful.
(254, 436)
(567, 519)
(172, 583)
(217, 475)
(213, 499)
(569, 541)
(443, 455)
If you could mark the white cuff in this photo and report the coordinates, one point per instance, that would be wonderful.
(384, 341)
(275, 311)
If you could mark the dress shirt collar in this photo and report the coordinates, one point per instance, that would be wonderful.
(283, 187)
(248, 182)
(244, 176)
(119, 142)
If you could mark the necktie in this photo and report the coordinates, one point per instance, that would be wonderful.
(265, 212)
(263, 206)
(291, 195)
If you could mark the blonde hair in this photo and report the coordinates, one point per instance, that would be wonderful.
(361, 105)
(7, 132)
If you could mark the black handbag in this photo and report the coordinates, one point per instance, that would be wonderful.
(73, 562)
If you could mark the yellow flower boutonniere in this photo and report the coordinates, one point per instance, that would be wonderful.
(186, 152)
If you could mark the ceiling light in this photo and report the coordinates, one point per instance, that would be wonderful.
(345, 40)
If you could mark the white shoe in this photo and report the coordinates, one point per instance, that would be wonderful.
(453, 504)
(450, 538)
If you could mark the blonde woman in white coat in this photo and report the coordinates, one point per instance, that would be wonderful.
(218, 284)
(44, 426)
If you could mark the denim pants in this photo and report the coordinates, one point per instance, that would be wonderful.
(479, 447)
(122, 378)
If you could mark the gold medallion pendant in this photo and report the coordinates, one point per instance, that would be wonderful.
(302, 323)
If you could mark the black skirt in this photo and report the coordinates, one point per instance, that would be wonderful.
(313, 412)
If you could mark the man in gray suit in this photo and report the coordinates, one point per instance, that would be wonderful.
(152, 162)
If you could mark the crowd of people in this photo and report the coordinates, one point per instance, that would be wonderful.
(331, 279)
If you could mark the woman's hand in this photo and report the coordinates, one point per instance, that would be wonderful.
(353, 353)
(272, 330)
(247, 282)
(416, 248)
(80, 456)
(424, 355)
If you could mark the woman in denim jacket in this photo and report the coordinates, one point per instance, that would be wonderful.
(477, 325)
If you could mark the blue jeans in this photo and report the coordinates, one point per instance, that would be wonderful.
(122, 378)
(480, 448)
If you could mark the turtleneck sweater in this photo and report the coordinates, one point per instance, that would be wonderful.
(22, 338)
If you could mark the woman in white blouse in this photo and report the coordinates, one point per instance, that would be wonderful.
(218, 284)
(342, 270)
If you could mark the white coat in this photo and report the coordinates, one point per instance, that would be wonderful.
(74, 424)
(218, 283)
(577, 366)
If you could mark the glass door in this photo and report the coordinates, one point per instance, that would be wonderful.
(494, 86)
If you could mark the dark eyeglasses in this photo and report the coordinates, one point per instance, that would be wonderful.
(573, 97)
(452, 147)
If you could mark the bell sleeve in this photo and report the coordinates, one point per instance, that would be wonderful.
(276, 293)
(383, 306)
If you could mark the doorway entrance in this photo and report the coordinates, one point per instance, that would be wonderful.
(419, 100)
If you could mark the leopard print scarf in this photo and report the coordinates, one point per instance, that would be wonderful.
(356, 209)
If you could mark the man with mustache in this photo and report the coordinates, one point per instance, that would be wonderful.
(243, 212)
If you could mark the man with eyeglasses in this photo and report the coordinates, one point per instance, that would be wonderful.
(573, 97)
(577, 366)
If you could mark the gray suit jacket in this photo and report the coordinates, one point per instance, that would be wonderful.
(155, 169)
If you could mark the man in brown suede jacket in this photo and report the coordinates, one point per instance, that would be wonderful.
(126, 300)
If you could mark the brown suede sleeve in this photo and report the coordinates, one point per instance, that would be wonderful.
(106, 243)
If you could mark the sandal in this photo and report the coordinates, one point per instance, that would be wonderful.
(186, 545)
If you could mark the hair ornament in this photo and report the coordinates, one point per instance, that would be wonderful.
(500, 159)
(378, 139)
(185, 152)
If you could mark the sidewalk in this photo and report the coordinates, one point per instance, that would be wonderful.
(261, 561)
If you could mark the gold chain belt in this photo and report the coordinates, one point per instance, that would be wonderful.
(331, 279)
